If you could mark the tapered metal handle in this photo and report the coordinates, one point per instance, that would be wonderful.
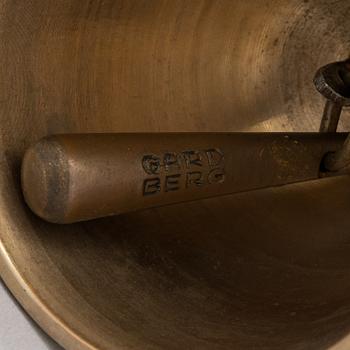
(70, 178)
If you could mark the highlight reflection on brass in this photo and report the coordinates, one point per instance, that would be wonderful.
(267, 270)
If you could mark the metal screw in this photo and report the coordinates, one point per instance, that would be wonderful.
(333, 82)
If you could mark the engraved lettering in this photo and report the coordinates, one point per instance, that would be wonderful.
(151, 187)
(172, 183)
(151, 164)
(192, 158)
(177, 171)
(215, 157)
(216, 176)
(194, 179)
(171, 161)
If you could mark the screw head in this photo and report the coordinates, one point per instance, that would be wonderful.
(333, 82)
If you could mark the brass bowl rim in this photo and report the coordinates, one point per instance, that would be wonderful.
(36, 308)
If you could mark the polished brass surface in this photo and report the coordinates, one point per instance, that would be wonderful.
(79, 177)
(267, 270)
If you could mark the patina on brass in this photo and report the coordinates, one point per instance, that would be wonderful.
(267, 270)
(71, 178)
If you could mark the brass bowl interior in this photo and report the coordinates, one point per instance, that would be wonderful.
(267, 270)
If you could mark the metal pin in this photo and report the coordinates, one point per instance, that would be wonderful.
(333, 82)
(331, 116)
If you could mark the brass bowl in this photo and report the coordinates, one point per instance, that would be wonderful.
(263, 270)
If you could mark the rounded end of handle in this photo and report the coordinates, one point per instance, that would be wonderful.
(45, 180)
